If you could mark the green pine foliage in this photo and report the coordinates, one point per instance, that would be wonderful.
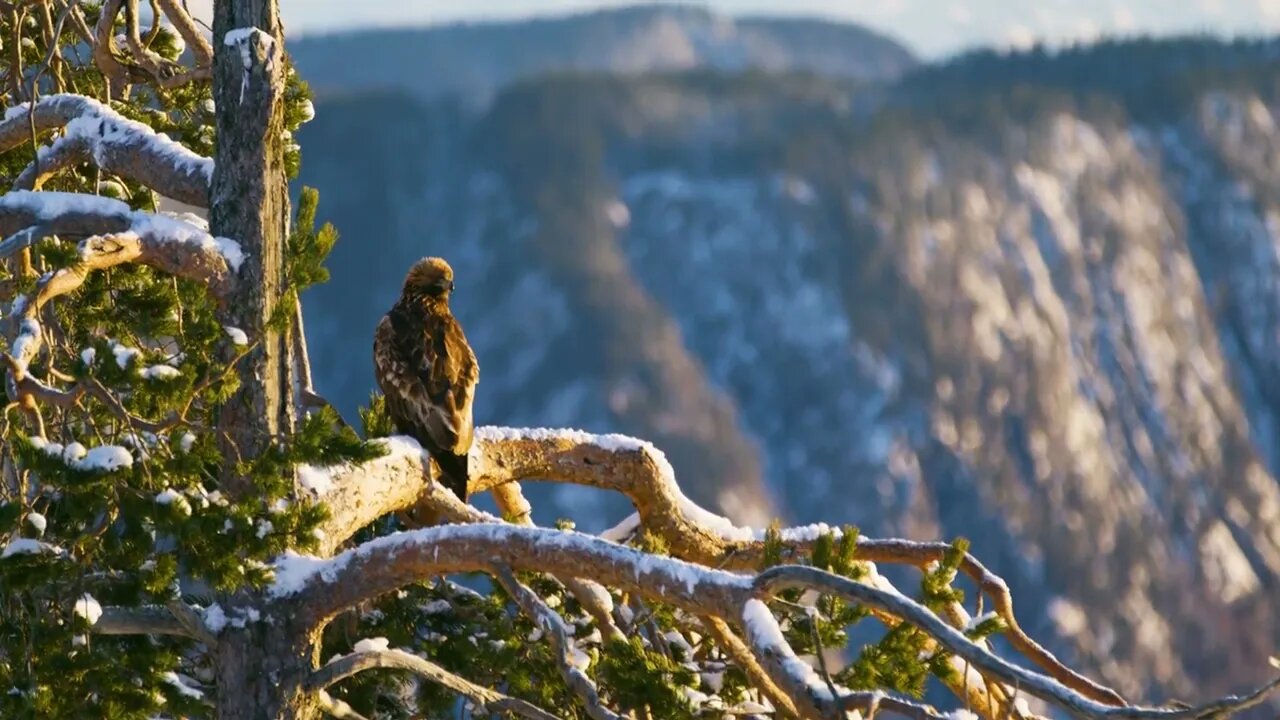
(78, 532)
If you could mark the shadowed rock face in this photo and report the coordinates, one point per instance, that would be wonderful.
(1045, 319)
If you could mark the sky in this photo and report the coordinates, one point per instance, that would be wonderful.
(933, 28)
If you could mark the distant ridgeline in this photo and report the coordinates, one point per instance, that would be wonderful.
(1030, 299)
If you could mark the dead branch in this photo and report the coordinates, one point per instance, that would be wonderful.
(487, 700)
(145, 620)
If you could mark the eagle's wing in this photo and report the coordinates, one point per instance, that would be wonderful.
(428, 376)
(452, 377)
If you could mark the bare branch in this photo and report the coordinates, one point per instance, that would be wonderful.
(145, 620)
(164, 73)
(551, 622)
(191, 34)
(487, 700)
(118, 145)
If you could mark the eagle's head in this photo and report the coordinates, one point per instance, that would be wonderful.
(430, 278)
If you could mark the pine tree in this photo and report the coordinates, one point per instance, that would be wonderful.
(189, 530)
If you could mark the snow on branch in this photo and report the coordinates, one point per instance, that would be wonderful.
(640, 471)
(318, 589)
(93, 131)
(486, 700)
(178, 247)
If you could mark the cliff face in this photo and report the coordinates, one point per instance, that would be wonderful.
(1042, 317)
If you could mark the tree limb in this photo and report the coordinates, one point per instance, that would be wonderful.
(641, 472)
(118, 145)
(487, 700)
(318, 589)
(145, 620)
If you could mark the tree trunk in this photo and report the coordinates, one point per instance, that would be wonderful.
(249, 203)
(261, 670)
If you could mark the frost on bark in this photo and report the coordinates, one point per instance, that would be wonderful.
(249, 200)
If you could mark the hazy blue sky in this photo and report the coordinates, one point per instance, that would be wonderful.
(931, 27)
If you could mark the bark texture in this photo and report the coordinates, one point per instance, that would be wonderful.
(249, 202)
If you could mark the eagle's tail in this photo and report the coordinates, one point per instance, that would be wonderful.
(453, 473)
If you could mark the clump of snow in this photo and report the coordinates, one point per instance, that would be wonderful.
(975, 622)
(161, 372)
(175, 680)
(215, 618)
(171, 497)
(106, 458)
(74, 452)
(436, 607)
(264, 528)
(37, 521)
(237, 335)
(318, 480)
(27, 546)
(186, 442)
(179, 229)
(612, 442)
(24, 344)
(579, 659)
(88, 608)
(308, 111)
(88, 355)
(124, 354)
(622, 530)
(377, 644)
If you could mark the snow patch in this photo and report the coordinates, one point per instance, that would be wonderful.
(377, 644)
(177, 683)
(124, 354)
(37, 521)
(106, 458)
(88, 608)
(237, 335)
(161, 372)
(318, 480)
(215, 618)
(27, 546)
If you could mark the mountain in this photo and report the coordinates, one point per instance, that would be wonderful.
(1018, 298)
(476, 60)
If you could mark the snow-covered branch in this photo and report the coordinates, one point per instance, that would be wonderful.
(118, 145)
(640, 471)
(174, 246)
(486, 700)
(318, 589)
